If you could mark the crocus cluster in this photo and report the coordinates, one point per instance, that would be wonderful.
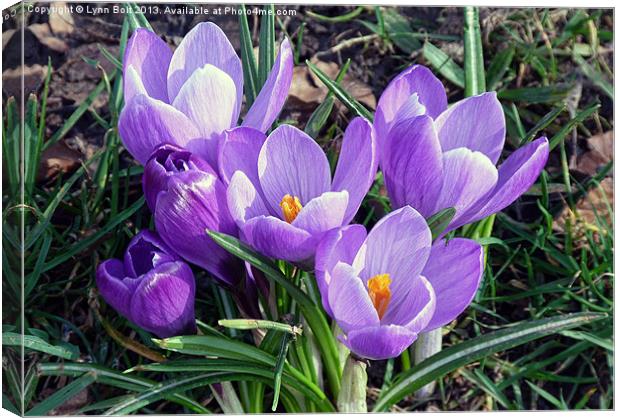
(276, 192)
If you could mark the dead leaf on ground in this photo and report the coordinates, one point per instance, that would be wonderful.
(593, 204)
(33, 78)
(601, 152)
(57, 160)
(307, 91)
(60, 23)
(44, 35)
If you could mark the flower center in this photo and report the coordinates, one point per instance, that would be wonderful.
(379, 291)
(291, 206)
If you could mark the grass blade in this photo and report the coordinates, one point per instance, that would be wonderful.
(464, 353)
(266, 45)
(250, 72)
(353, 105)
(474, 61)
(63, 395)
(38, 344)
(312, 313)
(438, 222)
(444, 64)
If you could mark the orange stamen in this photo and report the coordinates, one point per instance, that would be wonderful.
(291, 206)
(379, 291)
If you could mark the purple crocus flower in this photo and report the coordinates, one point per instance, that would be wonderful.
(190, 97)
(187, 198)
(281, 192)
(151, 287)
(386, 287)
(434, 158)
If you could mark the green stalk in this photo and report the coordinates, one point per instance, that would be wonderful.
(352, 396)
(427, 344)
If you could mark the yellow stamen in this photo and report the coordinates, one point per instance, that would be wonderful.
(379, 291)
(291, 206)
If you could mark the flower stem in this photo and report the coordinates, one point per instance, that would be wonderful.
(426, 345)
(352, 396)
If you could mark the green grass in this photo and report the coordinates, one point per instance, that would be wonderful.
(536, 273)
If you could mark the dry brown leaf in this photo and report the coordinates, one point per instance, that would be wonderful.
(60, 23)
(44, 35)
(600, 153)
(586, 210)
(57, 160)
(33, 77)
(307, 91)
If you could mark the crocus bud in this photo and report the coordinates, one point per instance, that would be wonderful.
(164, 163)
(187, 199)
(151, 287)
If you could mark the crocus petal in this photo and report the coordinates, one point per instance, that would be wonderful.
(416, 79)
(272, 96)
(112, 285)
(166, 161)
(194, 202)
(145, 251)
(132, 84)
(244, 201)
(412, 165)
(454, 269)
(206, 43)
(399, 245)
(357, 164)
(146, 123)
(349, 301)
(379, 343)
(468, 177)
(277, 239)
(337, 245)
(163, 303)
(323, 213)
(208, 98)
(476, 123)
(149, 57)
(239, 151)
(516, 175)
(291, 162)
(416, 309)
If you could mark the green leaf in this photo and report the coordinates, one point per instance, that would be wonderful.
(312, 313)
(266, 44)
(444, 64)
(579, 118)
(399, 30)
(498, 67)
(474, 60)
(66, 351)
(353, 105)
(438, 222)
(250, 72)
(543, 123)
(543, 94)
(63, 395)
(259, 324)
(290, 376)
(474, 349)
(337, 19)
(596, 76)
(113, 378)
(77, 114)
(319, 117)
